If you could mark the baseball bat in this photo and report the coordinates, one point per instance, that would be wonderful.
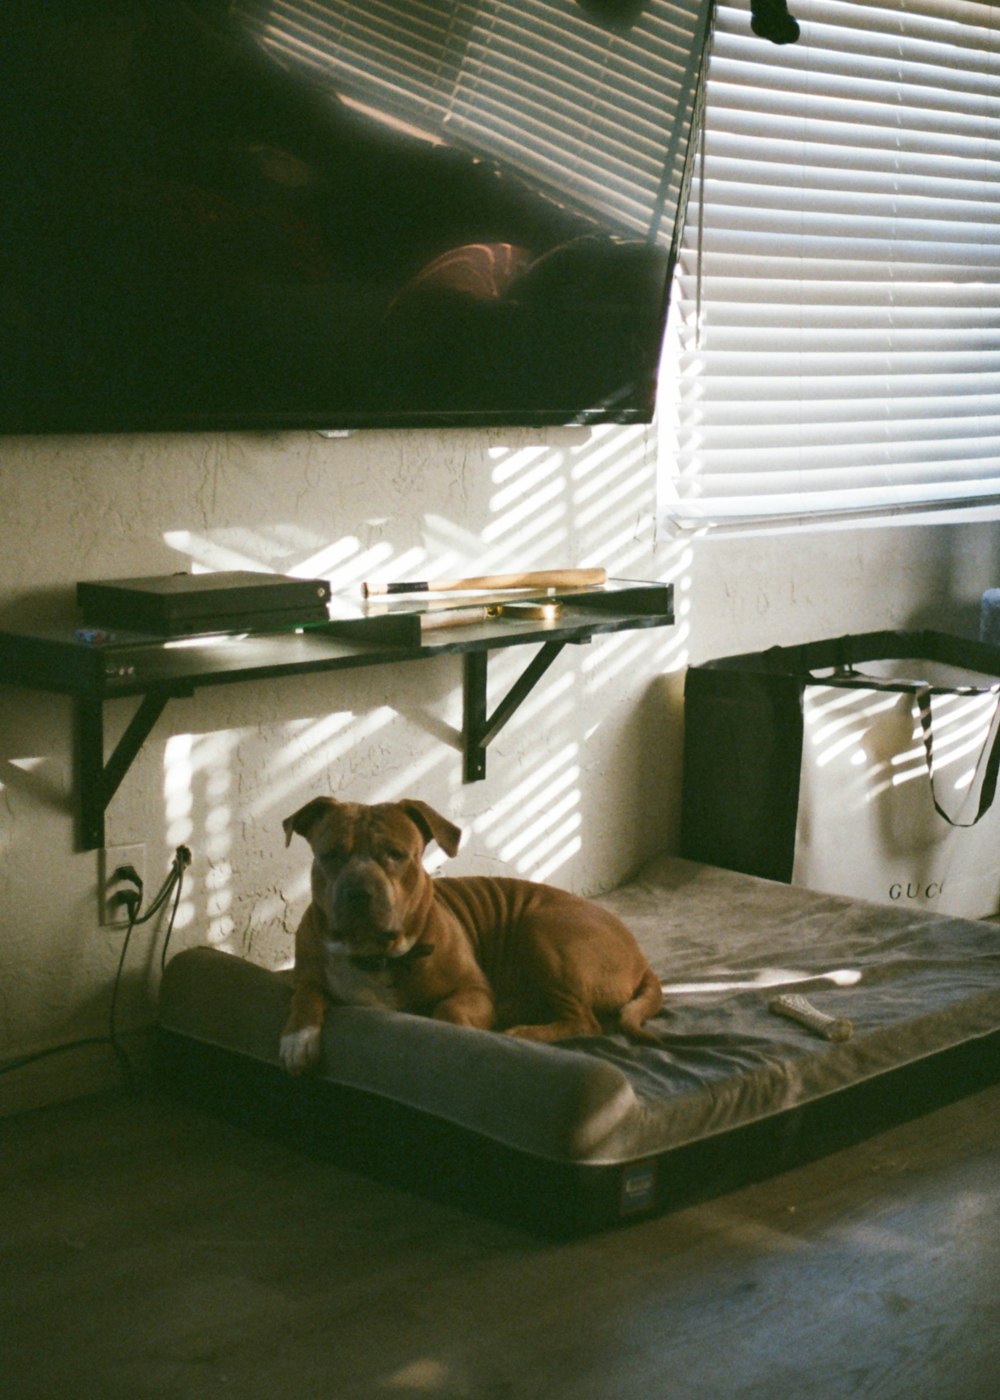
(541, 578)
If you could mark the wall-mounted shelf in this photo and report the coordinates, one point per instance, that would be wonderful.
(95, 666)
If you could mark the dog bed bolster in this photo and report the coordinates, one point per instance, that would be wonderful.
(560, 1105)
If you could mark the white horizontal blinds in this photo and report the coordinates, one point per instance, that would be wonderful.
(835, 336)
(598, 117)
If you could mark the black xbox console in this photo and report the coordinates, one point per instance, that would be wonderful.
(178, 605)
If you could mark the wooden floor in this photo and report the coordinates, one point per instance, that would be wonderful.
(149, 1250)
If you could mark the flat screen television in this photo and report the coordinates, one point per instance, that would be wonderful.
(267, 214)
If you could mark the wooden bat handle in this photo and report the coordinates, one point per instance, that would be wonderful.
(539, 578)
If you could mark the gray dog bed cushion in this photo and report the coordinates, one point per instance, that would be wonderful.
(924, 985)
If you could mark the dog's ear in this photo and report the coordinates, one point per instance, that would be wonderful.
(433, 825)
(300, 822)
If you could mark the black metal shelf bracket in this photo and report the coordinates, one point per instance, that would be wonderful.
(99, 781)
(61, 660)
(478, 727)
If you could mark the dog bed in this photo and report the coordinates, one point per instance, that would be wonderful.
(599, 1130)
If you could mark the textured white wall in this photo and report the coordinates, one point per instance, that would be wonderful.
(582, 785)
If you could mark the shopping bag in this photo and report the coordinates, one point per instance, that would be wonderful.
(897, 786)
(863, 765)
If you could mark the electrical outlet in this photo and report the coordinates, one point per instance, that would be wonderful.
(112, 883)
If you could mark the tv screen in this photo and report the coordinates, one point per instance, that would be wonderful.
(315, 213)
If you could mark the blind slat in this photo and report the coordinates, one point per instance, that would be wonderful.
(835, 339)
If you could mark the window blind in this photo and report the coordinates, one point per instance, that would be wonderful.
(535, 84)
(834, 343)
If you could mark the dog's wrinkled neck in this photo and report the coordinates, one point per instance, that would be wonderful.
(380, 962)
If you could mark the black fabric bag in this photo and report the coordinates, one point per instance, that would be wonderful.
(743, 738)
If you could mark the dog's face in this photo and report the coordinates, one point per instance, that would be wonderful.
(368, 878)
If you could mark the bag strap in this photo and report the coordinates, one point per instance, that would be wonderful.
(989, 786)
(850, 678)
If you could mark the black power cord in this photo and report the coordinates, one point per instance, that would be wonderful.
(173, 884)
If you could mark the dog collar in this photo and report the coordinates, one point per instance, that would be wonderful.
(379, 962)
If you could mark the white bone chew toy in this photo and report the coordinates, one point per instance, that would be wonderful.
(797, 1008)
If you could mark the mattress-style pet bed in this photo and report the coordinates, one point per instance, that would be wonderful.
(598, 1130)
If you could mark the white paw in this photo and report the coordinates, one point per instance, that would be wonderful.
(299, 1050)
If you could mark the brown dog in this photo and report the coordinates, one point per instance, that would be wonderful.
(500, 954)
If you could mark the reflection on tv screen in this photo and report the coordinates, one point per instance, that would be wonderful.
(327, 214)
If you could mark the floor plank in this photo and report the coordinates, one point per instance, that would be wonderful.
(149, 1250)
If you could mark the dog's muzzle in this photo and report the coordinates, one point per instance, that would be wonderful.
(362, 903)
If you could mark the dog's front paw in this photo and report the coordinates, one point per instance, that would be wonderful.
(299, 1050)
